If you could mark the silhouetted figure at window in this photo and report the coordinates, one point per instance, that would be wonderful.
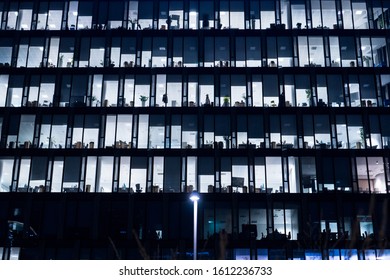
(207, 100)
(169, 22)
(205, 21)
(165, 99)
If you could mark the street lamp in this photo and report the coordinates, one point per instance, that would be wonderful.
(194, 197)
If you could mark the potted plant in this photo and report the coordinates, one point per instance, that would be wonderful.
(244, 99)
(381, 21)
(94, 100)
(360, 144)
(299, 25)
(226, 100)
(273, 104)
(143, 99)
(367, 60)
(308, 96)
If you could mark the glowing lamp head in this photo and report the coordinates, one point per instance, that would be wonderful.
(194, 196)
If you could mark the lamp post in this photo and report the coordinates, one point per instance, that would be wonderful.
(194, 197)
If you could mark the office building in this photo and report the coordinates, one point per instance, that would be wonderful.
(275, 111)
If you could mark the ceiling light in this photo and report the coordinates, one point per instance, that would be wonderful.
(359, 12)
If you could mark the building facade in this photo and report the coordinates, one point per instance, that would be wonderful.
(275, 111)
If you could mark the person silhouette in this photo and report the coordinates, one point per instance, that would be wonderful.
(207, 100)
(165, 99)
